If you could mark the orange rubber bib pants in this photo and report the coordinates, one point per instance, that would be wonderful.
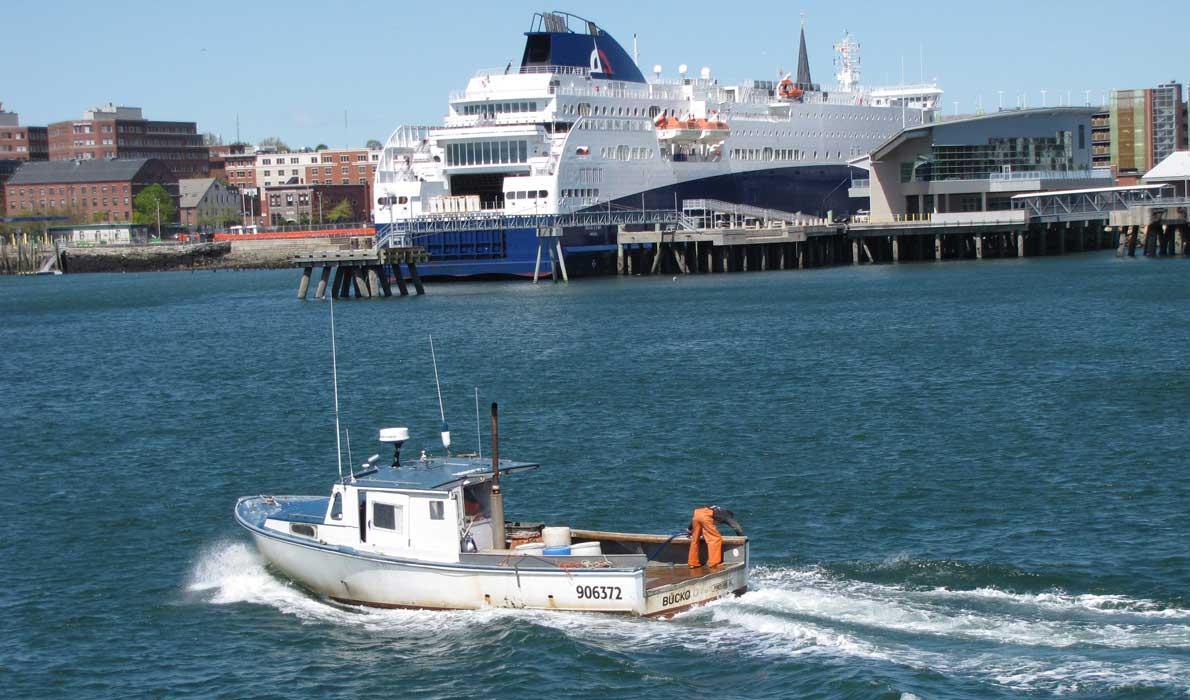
(703, 525)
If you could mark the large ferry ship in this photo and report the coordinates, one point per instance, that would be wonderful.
(578, 126)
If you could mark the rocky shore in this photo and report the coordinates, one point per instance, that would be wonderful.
(219, 255)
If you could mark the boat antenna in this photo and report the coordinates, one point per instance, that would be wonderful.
(335, 381)
(441, 410)
(350, 464)
(478, 431)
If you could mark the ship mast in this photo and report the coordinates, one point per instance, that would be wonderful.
(847, 61)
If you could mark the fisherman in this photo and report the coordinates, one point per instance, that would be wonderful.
(703, 524)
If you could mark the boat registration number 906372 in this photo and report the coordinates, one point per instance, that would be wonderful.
(599, 592)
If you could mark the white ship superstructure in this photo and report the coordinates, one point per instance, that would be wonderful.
(577, 125)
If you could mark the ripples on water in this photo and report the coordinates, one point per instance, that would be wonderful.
(964, 481)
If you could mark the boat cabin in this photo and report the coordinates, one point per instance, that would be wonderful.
(433, 508)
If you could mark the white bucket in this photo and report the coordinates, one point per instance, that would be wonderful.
(556, 537)
(586, 549)
(530, 548)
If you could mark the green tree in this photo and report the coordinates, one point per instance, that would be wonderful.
(375, 145)
(146, 202)
(341, 212)
(321, 147)
(273, 143)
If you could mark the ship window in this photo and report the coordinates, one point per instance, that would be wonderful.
(337, 507)
(532, 194)
(386, 516)
(300, 529)
(542, 194)
(437, 510)
(521, 149)
(503, 151)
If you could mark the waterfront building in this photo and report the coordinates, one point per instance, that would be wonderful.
(298, 203)
(977, 164)
(21, 142)
(1146, 125)
(90, 190)
(207, 203)
(123, 132)
(101, 234)
(1101, 138)
(1174, 171)
(240, 171)
(217, 158)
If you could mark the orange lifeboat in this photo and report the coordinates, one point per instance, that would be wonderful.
(789, 91)
(673, 129)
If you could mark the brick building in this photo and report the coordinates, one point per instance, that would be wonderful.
(22, 142)
(90, 190)
(240, 171)
(312, 204)
(218, 155)
(123, 132)
(341, 166)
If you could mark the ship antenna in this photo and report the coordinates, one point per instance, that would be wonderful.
(441, 410)
(335, 381)
(350, 464)
(478, 431)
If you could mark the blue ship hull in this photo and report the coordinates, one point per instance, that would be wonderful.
(592, 251)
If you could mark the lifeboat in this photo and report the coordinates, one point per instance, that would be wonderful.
(789, 91)
(713, 131)
(673, 129)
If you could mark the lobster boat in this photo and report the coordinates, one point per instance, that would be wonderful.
(430, 533)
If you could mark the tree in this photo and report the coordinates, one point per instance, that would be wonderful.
(375, 145)
(145, 206)
(341, 212)
(273, 143)
(321, 147)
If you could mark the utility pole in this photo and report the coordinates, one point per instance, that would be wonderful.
(158, 203)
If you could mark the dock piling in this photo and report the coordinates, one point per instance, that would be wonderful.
(304, 282)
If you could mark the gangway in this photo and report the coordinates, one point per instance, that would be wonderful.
(1088, 204)
(709, 213)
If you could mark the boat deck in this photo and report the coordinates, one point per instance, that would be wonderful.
(661, 575)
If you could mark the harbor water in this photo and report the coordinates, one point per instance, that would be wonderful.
(963, 480)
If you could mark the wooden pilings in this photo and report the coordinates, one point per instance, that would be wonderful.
(366, 273)
(713, 252)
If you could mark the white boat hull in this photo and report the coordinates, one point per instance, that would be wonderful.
(358, 579)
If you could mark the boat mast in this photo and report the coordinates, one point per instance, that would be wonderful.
(497, 496)
(441, 410)
(335, 381)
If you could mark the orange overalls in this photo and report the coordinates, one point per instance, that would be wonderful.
(703, 524)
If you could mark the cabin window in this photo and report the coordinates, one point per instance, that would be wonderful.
(337, 507)
(300, 529)
(386, 516)
(437, 510)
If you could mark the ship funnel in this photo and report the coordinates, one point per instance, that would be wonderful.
(397, 437)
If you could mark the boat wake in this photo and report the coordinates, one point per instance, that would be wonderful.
(1050, 641)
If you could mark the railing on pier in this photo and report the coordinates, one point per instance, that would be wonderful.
(1097, 203)
(699, 209)
(404, 232)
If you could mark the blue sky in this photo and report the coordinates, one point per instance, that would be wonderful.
(291, 69)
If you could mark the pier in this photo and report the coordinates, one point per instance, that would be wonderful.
(362, 272)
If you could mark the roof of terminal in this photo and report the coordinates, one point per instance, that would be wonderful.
(1175, 166)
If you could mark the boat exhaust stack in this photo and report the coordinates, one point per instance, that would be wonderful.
(397, 437)
(498, 540)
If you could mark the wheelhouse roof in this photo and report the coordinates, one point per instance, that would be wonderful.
(435, 474)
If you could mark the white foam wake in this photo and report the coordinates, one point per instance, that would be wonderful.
(1050, 642)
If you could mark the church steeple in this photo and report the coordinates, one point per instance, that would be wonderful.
(803, 60)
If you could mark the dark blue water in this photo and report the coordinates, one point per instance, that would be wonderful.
(963, 480)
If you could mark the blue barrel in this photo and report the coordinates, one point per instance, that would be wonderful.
(556, 551)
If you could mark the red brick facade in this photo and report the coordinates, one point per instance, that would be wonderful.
(121, 133)
(312, 204)
(353, 166)
(24, 143)
(93, 200)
